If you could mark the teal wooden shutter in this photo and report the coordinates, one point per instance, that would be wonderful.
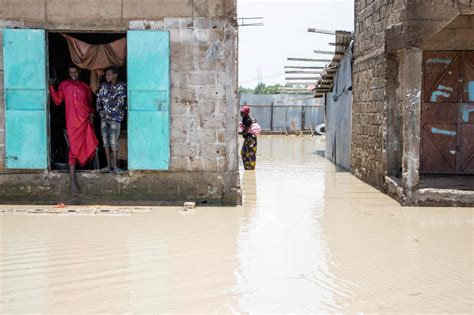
(148, 67)
(24, 61)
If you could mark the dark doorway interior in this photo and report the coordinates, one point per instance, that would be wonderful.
(59, 59)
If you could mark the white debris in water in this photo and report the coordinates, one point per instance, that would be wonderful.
(189, 205)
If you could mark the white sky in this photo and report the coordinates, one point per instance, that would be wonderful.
(285, 35)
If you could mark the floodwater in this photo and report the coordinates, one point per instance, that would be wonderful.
(308, 239)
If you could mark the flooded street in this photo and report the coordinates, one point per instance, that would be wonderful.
(308, 238)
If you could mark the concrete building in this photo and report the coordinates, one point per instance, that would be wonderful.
(413, 106)
(181, 141)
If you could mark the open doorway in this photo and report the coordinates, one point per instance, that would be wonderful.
(59, 60)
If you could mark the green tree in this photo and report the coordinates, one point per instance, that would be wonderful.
(273, 89)
(243, 90)
(260, 88)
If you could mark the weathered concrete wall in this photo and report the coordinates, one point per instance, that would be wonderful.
(457, 35)
(138, 188)
(204, 109)
(108, 14)
(390, 37)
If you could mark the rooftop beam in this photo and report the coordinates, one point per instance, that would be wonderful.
(303, 72)
(304, 78)
(321, 31)
(309, 59)
(302, 67)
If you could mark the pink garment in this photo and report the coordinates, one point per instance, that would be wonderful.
(80, 132)
(255, 129)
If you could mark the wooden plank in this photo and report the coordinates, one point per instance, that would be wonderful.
(302, 67)
(304, 72)
(309, 59)
(327, 52)
(339, 44)
(304, 78)
(321, 31)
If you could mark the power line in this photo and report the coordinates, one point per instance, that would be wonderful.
(270, 76)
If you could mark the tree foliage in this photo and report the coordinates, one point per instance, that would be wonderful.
(262, 88)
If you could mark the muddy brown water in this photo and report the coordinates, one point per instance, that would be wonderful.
(308, 239)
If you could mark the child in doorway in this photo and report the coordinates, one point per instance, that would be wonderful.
(111, 106)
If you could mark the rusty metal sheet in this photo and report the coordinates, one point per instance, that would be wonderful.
(442, 73)
(467, 149)
(468, 78)
(439, 148)
(447, 145)
(440, 112)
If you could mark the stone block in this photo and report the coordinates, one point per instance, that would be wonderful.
(145, 25)
(200, 35)
(24, 10)
(217, 121)
(178, 136)
(186, 35)
(184, 150)
(207, 165)
(203, 136)
(179, 108)
(186, 23)
(178, 79)
(171, 23)
(212, 151)
(77, 14)
(203, 107)
(152, 9)
(221, 136)
(202, 23)
(201, 78)
(188, 123)
(183, 61)
(180, 164)
(175, 35)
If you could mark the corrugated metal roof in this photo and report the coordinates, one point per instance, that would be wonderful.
(325, 85)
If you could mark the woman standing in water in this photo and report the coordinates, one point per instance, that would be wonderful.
(249, 148)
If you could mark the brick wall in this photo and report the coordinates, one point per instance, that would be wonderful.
(372, 19)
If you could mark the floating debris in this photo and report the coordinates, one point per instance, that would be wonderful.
(189, 205)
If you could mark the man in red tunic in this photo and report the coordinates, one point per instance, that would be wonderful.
(79, 121)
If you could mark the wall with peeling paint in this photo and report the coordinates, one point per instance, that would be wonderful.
(204, 109)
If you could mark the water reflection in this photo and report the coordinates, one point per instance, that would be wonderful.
(280, 249)
(308, 238)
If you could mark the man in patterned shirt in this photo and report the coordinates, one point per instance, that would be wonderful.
(111, 105)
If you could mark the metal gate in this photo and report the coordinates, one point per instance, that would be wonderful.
(447, 123)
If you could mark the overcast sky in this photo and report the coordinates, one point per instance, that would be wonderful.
(285, 35)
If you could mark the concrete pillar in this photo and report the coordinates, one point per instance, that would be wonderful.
(412, 119)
